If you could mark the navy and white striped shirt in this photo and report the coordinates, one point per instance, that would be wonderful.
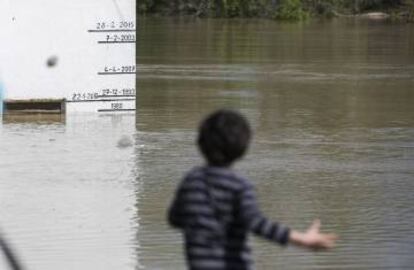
(216, 208)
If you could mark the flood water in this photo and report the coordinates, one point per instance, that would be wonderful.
(331, 105)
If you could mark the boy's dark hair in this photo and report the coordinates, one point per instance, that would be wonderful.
(223, 137)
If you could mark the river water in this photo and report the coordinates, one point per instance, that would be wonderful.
(331, 105)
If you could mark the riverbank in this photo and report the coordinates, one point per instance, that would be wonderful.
(292, 10)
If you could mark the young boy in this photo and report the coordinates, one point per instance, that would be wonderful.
(215, 208)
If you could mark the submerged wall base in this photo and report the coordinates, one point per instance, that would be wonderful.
(35, 106)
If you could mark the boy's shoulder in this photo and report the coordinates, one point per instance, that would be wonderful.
(226, 177)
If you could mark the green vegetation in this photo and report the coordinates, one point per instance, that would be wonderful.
(409, 10)
(277, 9)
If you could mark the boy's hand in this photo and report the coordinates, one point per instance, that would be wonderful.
(313, 238)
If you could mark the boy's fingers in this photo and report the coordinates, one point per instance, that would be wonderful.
(316, 225)
(329, 240)
(332, 236)
(329, 245)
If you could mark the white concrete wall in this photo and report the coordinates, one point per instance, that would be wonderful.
(32, 31)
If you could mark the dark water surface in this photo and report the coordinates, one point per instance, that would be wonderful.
(332, 106)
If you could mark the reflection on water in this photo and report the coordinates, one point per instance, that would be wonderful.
(67, 192)
(34, 118)
(331, 105)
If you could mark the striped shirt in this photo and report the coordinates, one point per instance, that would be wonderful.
(215, 208)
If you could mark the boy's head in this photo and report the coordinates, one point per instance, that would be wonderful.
(223, 137)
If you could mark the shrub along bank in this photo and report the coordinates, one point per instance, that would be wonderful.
(276, 9)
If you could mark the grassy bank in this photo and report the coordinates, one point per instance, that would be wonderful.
(276, 9)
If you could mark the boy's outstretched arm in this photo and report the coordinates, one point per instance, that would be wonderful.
(313, 238)
(252, 218)
(262, 226)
